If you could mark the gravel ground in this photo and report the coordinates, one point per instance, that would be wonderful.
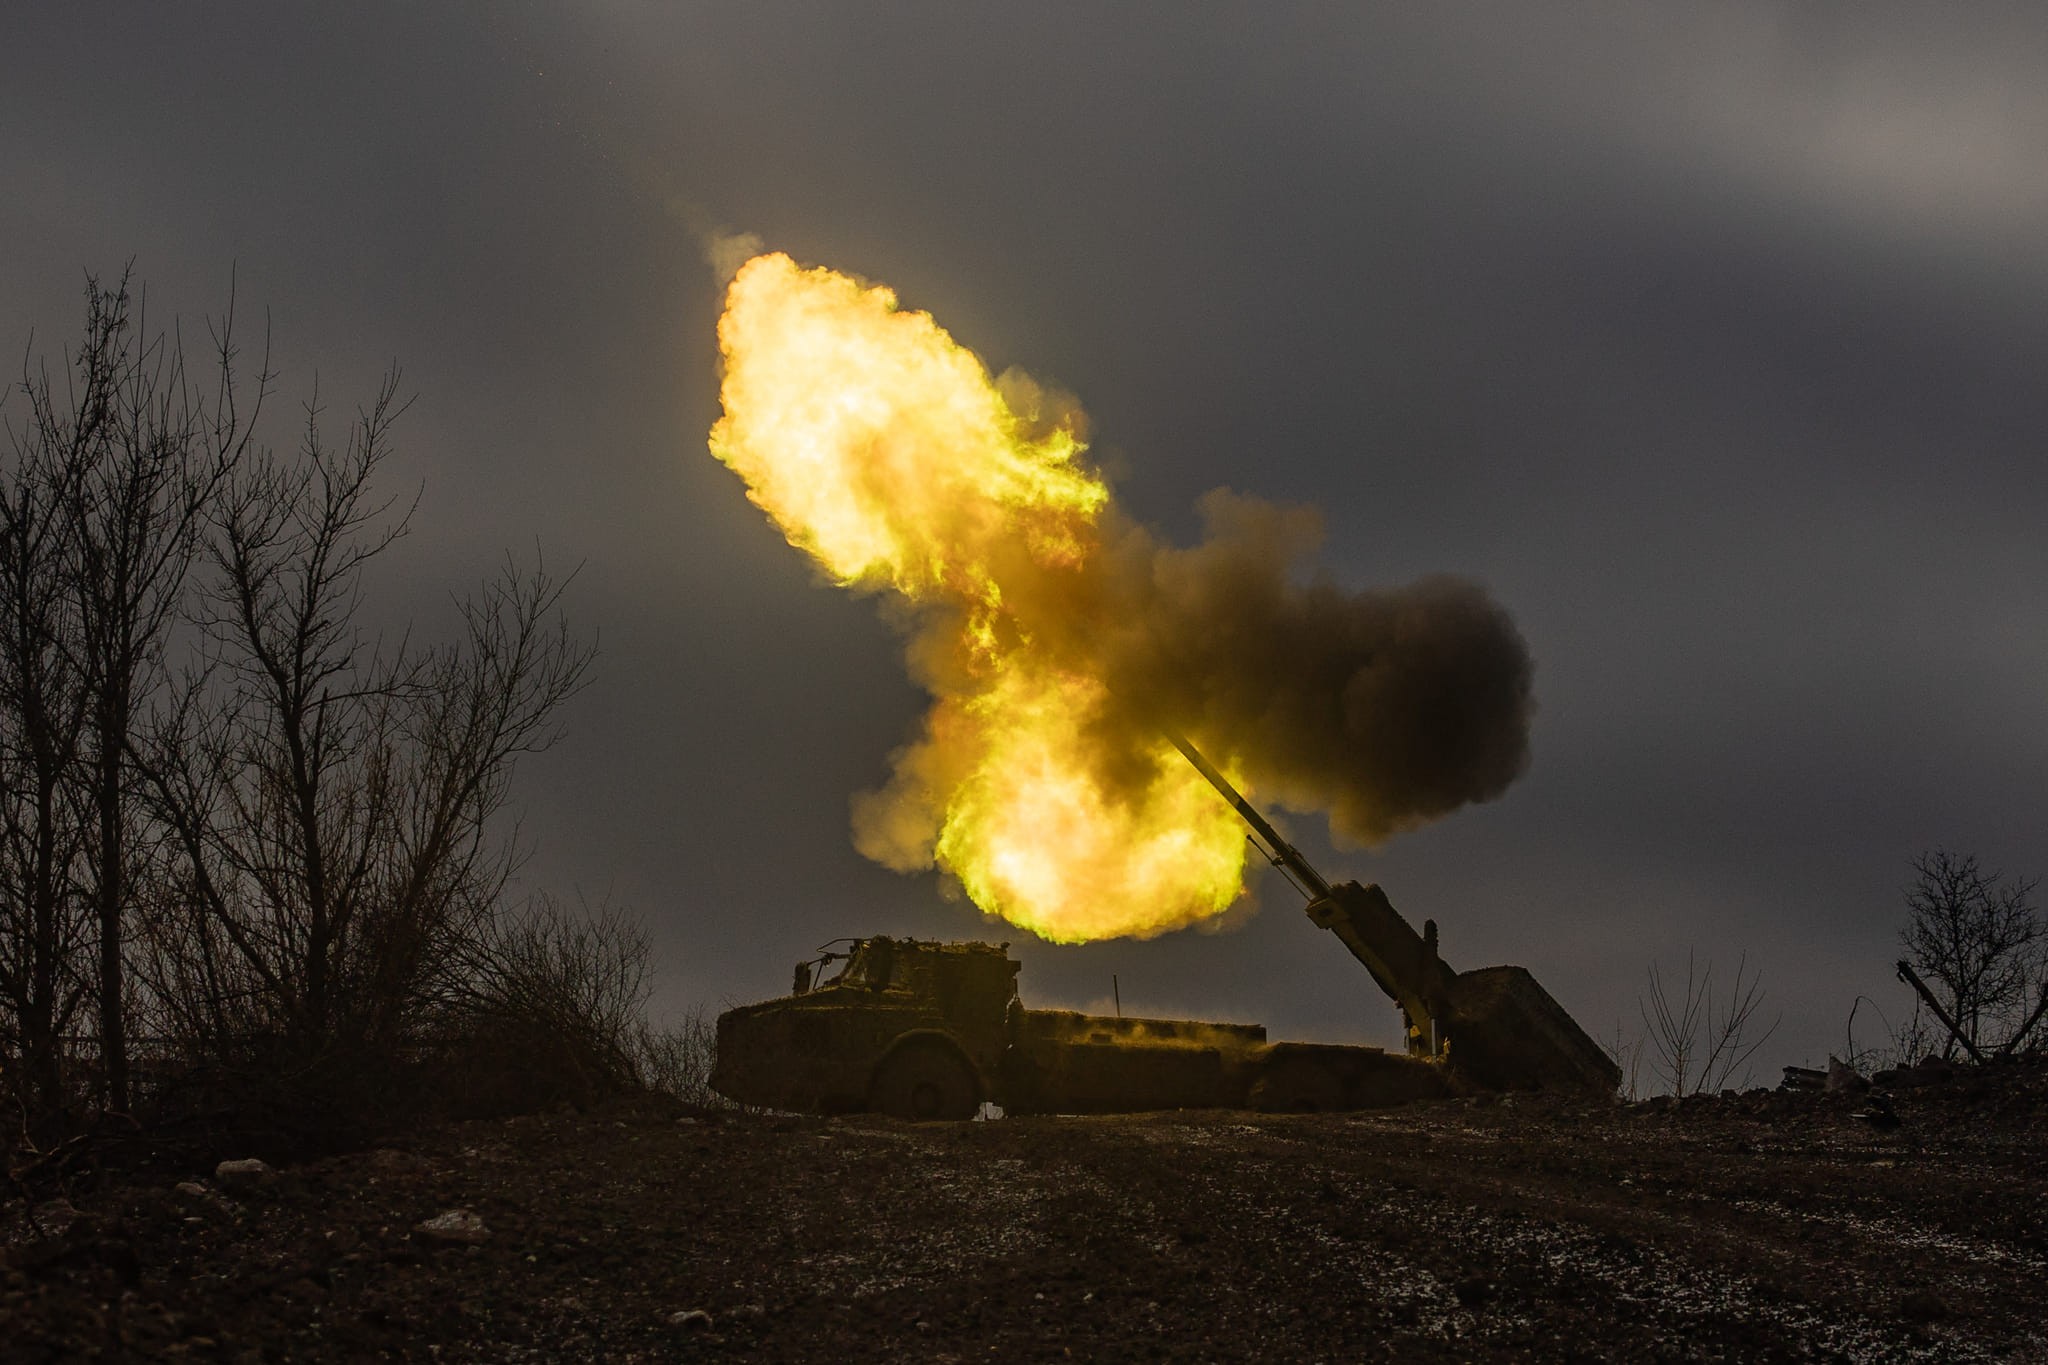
(1761, 1227)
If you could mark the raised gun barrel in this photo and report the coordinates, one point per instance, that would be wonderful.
(1282, 853)
(1403, 962)
(1496, 1026)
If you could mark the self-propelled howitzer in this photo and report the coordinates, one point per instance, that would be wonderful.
(935, 1030)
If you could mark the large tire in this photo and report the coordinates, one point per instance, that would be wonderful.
(925, 1081)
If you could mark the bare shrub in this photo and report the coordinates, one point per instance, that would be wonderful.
(1627, 1055)
(677, 1059)
(328, 802)
(1699, 1040)
(547, 1010)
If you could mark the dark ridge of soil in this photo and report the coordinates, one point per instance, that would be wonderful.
(1765, 1227)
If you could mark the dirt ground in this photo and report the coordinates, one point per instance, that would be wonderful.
(1761, 1227)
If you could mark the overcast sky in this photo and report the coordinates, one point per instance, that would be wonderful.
(1713, 342)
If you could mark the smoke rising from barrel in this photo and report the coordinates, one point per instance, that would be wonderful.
(1384, 708)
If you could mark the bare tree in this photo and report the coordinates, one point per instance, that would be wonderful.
(1976, 937)
(43, 707)
(1701, 1040)
(285, 846)
(332, 800)
(147, 462)
(111, 471)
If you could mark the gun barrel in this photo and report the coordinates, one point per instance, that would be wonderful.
(1283, 853)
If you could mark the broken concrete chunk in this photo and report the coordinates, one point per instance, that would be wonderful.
(1922, 1305)
(1844, 1079)
(1803, 1078)
(456, 1226)
(247, 1173)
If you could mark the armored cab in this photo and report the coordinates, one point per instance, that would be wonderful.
(917, 1029)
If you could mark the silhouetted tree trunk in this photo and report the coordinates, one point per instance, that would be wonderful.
(143, 471)
(43, 703)
(113, 472)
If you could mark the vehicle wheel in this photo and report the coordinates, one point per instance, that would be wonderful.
(1298, 1087)
(925, 1081)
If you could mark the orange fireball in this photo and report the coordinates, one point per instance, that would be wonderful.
(888, 453)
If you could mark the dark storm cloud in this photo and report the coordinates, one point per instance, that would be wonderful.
(1709, 343)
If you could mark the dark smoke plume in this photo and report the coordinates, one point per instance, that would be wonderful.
(1386, 708)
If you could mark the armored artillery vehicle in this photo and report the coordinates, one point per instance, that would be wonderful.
(935, 1030)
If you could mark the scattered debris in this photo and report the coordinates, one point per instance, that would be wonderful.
(54, 1217)
(1928, 1071)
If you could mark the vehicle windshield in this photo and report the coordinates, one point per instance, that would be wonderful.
(830, 966)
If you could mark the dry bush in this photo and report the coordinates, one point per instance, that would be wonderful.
(1627, 1055)
(677, 1059)
(548, 1011)
(1915, 1037)
(1700, 1041)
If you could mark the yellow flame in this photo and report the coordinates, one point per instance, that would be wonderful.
(886, 452)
